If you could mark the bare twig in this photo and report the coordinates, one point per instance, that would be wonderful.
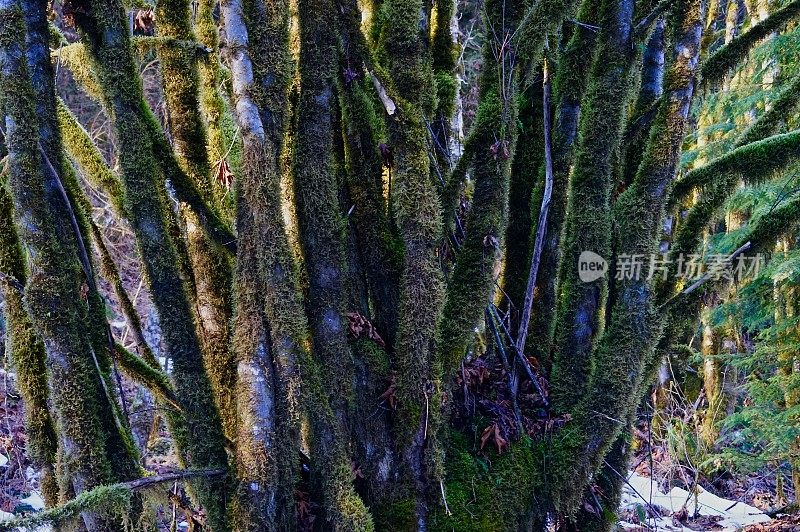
(541, 228)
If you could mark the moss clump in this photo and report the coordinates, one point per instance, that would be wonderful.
(400, 516)
(486, 491)
(111, 501)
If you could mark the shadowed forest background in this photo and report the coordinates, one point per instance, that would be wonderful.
(322, 264)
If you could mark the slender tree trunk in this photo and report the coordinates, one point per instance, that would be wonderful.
(143, 165)
(53, 289)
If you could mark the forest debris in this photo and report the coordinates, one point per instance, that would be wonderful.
(361, 327)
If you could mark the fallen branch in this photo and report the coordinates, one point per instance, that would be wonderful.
(111, 497)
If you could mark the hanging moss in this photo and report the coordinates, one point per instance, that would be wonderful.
(754, 162)
(770, 121)
(112, 501)
(726, 58)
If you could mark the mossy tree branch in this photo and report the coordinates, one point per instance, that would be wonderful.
(210, 266)
(588, 223)
(727, 57)
(570, 80)
(322, 240)
(475, 271)
(27, 353)
(417, 211)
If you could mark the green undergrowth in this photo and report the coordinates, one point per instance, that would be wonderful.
(486, 491)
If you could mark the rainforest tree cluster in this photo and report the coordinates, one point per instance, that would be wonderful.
(369, 319)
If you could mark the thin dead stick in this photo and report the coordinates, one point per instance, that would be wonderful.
(705, 278)
(144, 482)
(523, 361)
(490, 322)
(541, 229)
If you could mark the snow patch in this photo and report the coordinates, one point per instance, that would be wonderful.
(641, 491)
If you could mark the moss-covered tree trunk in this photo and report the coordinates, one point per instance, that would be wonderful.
(209, 261)
(144, 164)
(55, 284)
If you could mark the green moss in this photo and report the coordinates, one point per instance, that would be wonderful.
(525, 194)
(569, 83)
(55, 281)
(726, 58)
(218, 121)
(75, 57)
(180, 82)
(84, 152)
(485, 491)
(588, 222)
(111, 501)
(379, 248)
(718, 179)
(316, 190)
(27, 354)
(210, 267)
(495, 135)
(627, 344)
(540, 21)
(141, 372)
(399, 515)
(142, 157)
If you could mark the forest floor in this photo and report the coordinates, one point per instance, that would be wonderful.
(649, 503)
(663, 494)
